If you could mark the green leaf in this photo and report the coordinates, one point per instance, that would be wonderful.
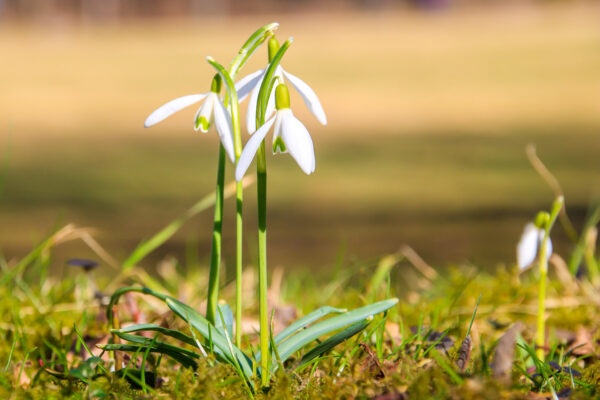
(201, 324)
(156, 328)
(305, 321)
(194, 318)
(177, 356)
(250, 46)
(333, 341)
(302, 338)
(147, 342)
(227, 314)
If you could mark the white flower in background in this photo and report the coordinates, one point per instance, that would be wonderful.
(211, 109)
(530, 244)
(251, 84)
(290, 135)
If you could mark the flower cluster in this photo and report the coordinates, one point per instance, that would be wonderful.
(290, 135)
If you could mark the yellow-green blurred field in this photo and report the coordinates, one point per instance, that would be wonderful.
(429, 115)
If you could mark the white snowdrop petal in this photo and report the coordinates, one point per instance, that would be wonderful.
(251, 113)
(250, 149)
(172, 107)
(528, 245)
(309, 96)
(206, 111)
(298, 142)
(270, 105)
(224, 129)
(245, 85)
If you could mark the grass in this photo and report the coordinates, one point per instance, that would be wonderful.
(412, 349)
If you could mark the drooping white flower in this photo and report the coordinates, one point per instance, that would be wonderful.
(290, 135)
(212, 109)
(250, 84)
(530, 244)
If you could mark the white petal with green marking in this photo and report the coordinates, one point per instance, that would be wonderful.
(172, 107)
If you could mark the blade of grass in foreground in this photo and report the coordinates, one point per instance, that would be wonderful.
(147, 246)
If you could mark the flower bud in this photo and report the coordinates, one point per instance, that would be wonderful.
(273, 47)
(216, 84)
(282, 97)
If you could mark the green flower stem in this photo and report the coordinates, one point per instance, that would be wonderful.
(215, 255)
(247, 49)
(232, 100)
(540, 340)
(261, 184)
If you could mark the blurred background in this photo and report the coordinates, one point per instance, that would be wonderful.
(430, 106)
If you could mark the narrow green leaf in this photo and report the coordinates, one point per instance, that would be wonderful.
(333, 341)
(156, 328)
(227, 314)
(193, 317)
(305, 321)
(250, 46)
(201, 324)
(157, 344)
(301, 339)
(181, 358)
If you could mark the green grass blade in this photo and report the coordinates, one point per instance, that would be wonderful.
(305, 321)
(301, 339)
(181, 358)
(156, 328)
(333, 341)
(147, 246)
(157, 344)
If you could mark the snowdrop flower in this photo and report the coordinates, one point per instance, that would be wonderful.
(289, 135)
(211, 109)
(529, 245)
(250, 84)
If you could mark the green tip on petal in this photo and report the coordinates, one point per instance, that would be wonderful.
(542, 219)
(273, 47)
(202, 124)
(216, 84)
(282, 97)
(279, 143)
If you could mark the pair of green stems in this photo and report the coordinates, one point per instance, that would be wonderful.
(231, 100)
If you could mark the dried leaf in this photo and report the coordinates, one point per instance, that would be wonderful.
(371, 364)
(583, 344)
(505, 352)
(464, 353)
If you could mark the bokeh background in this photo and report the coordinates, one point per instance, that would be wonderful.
(430, 106)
